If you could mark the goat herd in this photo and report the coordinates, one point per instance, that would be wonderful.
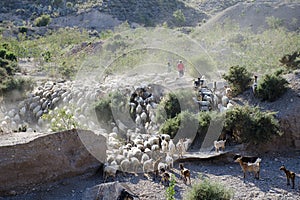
(155, 155)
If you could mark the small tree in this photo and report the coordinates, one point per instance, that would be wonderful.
(271, 87)
(238, 78)
(43, 20)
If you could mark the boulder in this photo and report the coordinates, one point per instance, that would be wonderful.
(30, 159)
(108, 191)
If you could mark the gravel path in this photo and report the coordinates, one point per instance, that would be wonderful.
(272, 184)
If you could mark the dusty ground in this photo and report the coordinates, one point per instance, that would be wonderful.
(272, 184)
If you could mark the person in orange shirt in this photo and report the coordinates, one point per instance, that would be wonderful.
(180, 68)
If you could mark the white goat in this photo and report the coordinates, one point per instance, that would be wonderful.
(169, 161)
(110, 170)
(125, 165)
(172, 148)
(219, 144)
(139, 109)
(180, 148)
(144, 116)
(164, 146)
(148, 166)
(144, 158)
(162, 165)
(135, 164)
(225, 101)
(138, 120)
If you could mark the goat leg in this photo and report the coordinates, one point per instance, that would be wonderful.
(256, 175)
(293, 183)
(288, 181)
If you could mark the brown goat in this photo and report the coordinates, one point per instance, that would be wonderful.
(289, 175)
(185, 173)
(250, 167)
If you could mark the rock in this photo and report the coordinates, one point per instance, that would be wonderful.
(29, 159)
(108, 191)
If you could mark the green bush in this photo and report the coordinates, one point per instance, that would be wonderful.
(190, 123)
(291, 61)
(250, 124)
(179, 18)
(10, 84)
(238, 79)
(170, 126)
(3, 74)
(47, 56)
(23, 29)
(10, 56)
(170, 191)
(43, 20)
(104, 108)
(69, 5)
(274, 22)
(5, 54)
(209, 191)
(61, 120)
(174, 103)
(2, 53)
(271, 87)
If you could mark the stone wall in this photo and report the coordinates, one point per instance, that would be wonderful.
(29, 159)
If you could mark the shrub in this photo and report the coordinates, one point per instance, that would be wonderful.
(2, 53)
(47, 56)
(179, 18)
(10, 56)
(23, 29)
(188, 123)
(69, 4)
(170, 191)
(43, 20)
(103, 110)
(3, 74)
(291, 61)
(174, 103)
(271, 87)
(5, 54)
(209, 191)
(274, 22)
(170, 126)
(61, 120)
(238, 79)
(112, 103)
(10, 84)
(249, 124)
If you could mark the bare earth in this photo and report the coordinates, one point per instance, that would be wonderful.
(272, 183)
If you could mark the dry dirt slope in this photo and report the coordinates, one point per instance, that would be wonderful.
(254, 15)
